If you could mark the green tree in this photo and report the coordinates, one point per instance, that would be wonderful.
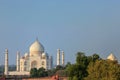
(80, 58)
(68, 64)
(33, 72)
(78, 71)
(42, 72)
(51, 72)
(103, 70)
(59, 67)
(61, 73)
(70, 70)
(95, 57)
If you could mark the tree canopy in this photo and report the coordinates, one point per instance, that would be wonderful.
(78, 70)
(41, 72)
(85, 68)
(103, 70)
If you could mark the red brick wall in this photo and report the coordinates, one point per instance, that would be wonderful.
(46, 78)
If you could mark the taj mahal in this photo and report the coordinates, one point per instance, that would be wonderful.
(36, 58)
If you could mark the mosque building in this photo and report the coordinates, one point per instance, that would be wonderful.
(36, 58)
(112, 57)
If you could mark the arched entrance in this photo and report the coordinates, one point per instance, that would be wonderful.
(34, 64)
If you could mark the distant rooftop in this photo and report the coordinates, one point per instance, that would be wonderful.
(111, 57)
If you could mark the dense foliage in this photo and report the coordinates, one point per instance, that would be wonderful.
(78, 70)
(85, 68)
(41, 72)
(103, 70)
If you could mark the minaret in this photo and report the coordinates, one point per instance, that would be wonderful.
(50, 62)
(18, 62)
(6, 62)
(63, 58)
(58, 56)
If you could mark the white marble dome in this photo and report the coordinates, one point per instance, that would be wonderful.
(36, 46)
(111, 57)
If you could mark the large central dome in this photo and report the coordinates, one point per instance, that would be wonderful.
(36, 47)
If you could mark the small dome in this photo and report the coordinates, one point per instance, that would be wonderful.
(26, 55)
(111, 57)
(36, 46)
(44, 54)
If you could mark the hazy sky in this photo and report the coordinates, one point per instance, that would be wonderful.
(91, 26)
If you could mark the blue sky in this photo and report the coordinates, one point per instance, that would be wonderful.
(89, 26)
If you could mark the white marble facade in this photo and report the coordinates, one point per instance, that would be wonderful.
(36, 58)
